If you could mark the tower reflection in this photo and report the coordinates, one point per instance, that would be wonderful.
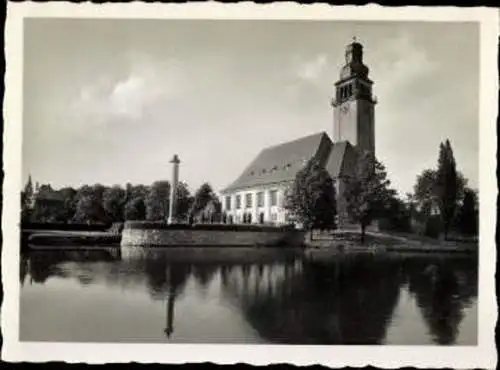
(347, 299)
(319, 303)
(350, 299)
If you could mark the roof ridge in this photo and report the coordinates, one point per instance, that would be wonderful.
(280, 162)
(320, 133)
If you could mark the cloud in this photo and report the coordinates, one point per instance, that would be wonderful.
(305, 77)
(129, 97)
(144, 85)
(311, 70)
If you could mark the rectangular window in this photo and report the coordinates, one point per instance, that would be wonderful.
(238, 201)
(228, 203)
(274, 197)
(274, 217)
(260, 199)
(248, 200)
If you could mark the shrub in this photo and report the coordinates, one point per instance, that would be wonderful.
(161, 225)
(433, 227)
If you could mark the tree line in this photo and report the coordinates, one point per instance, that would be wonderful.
(441, 202)
(98, 203)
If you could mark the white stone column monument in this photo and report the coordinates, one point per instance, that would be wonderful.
(172, 209)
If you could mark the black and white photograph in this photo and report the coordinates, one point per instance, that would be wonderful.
(295, 185)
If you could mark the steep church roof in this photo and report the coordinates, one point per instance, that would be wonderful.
(341, 159)
(280, 163)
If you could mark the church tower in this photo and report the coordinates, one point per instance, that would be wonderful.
(354, 103)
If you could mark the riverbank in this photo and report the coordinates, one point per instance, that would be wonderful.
(205, 235)
(74, 238)
(160, 234)
(346, 241)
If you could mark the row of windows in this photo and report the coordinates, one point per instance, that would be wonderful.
(249, 200)
(246, 218)
(347, 90)
(273, 169)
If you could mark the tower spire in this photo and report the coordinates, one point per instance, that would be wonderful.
(354, 102)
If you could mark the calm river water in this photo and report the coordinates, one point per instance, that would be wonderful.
(247, 296)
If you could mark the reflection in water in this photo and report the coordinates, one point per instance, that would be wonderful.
(348, 299)
(442, 292)
(204, 274)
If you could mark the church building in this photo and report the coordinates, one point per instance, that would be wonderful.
(258, 194)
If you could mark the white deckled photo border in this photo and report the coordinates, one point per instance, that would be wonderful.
(481, 356)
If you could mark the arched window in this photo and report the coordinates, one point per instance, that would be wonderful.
(249, 218)
(261, 218)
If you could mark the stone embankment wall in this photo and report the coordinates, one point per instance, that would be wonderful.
(165, 236)
(214, 254)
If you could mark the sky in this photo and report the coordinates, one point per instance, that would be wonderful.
(111, 101)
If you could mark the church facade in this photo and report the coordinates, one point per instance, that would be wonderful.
(258, 194)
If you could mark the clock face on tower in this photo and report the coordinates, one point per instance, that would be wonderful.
(344, 108)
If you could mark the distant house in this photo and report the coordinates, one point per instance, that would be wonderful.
(211, 213)
(257, 195)
(48, 206)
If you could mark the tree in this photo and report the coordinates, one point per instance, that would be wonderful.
(89, 207)
(45, 205)
(135, 209)
(157, 201)
(410, 203)
(136, 191)
(98, 192)
(311, 199)
(27, 197)
(468, 215)
(89, 210)
(397, 215)
(114, 203)
(135, 201)
(184, 200)
(61, 204)
(45, 190)
(68, 198)
(367, 192)
(426, 194)
(446, 185)
(28, 188)
(26, 210)
(202, 197)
